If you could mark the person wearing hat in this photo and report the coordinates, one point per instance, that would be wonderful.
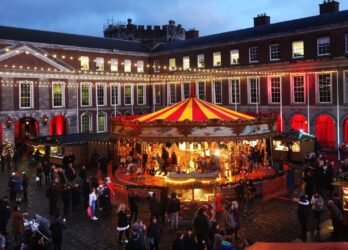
(303, 212)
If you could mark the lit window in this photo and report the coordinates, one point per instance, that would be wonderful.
(185, 91)
(253, 54)
(235, 91)
(200, 61)
(297, 49)
(234, 54)
(128, 95)
(172, 64)
(86, 123)
(84, 60)
(323, 46)
(113, 65)
(140, 66)
(100, 94)
(157, 94)
(274, 85)
(324, 88)
(254, 90)
(85, 94)
(172, 93)
(274, 52)
(201, 90)
(127, 65)
(217, 92)
(57, 94)
(115, 94)
(185, 62)
(156, 68)
(99, 63)
(298, 89)
(141, 95)
(217, 59)
(26, 92)
(102, 118)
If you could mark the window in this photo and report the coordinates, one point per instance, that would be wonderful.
(324, 88)
(217, 92)
(58, 94)
(115, 94)
(86, 123)
(100, 90)
(128, 95)
(171, 93)
(185, 91)
(140, 66)
(254, 90)
(84, 60)
(217, 59)
(274, 89)
(157, 94)
(298, 89)
(127, 66)
(234, 54)
(99, 61)
(200, 61)
(346, 38)
(323, 46)
(141, 94)
(274, 52)
(345, 79)
(172, 64)
(185, 63)
(297, 49)
(85, 94)
(235, 91)
(156, 67)
(26, 94)
(201, 90)
(113, 65)
(102, 118)
(253, 54)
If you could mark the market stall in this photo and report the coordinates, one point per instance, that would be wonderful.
(342, 187)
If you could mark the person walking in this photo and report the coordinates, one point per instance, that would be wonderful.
(66, 198)
(86, 191)
(190, 242)
(229, 220)
(317, 203)
(302, 215)
(25, 185)
(75, 197)
(154, 206)
(235, 213)
(154, 234)
(39, 171)
(52, 195)
(107, 199)
(133, 206)
(5, 215)
(57, 227)
(47, 171)
(178, 243)
(122, 224)
(173, 211)
(18, 225)
(93, 203)
(336, 218)
(201, 226)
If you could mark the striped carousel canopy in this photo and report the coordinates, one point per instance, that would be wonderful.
(194, 109)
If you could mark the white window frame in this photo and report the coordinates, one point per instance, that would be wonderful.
(293, 51)
(140, 66)
(199, 58)
(249, 90)
(317, 89)
(183, 90)
(127, 66)
(118, 86)
(156, 66)
(272, 52)
(269, 87)
(114, 65)
(172, 64)
(186, 63)
(63, 93)
(154, 94)
(99, 62)
(292, 90)
(214, 93)
(319, 43)
(31, 98)
(87, 59)
(105, 122)
(90, 129)
(197, 90)
(104, 93)
(230, 99)
(257, 54)
(132, 94)
(169, 93)
(89, 94)
(345, 86)
(217, 62)
(233, 56)
(143, 86)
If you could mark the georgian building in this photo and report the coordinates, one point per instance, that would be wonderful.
(55, 83)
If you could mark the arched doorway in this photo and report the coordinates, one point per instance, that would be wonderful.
(280, 124)
(26, 128)
(345, 131)
(325, 131)
(58, 125)
(299, 122)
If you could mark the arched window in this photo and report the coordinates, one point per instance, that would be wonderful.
(86, 123)
(325, 131)
(299, 122)
(102, 122)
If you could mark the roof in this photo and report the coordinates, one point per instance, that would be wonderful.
(194, 109)
(57, 38)
(71, 139)
(281, 28)
(297, 135)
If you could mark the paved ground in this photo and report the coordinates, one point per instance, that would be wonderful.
(274, 220)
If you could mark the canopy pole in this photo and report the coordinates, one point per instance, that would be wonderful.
(338, 117)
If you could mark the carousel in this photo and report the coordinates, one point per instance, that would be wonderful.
(192, 148)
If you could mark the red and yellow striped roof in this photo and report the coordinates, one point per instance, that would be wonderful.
(194, 109)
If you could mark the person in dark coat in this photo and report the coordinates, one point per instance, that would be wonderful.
(154, 234)
(82, 173)
(66, 198)
(336, 218)
(135, 242)
(164, 205)
(154, 206)
(5, 215)
(61, 176)
(309, 184)
(178, 243)
(52, 195)
(201, 225)
(122, 223)
(57, 227)
(190, 242)
(47, 170)
(107, 199)
(173, 211)
(75, 197)
(39, 173)
(133, 206)
(303, 212)
(25, 185)
(86, 191)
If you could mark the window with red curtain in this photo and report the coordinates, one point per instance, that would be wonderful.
(299, 122)
(325, 131)
(345, 129)
(58, 125)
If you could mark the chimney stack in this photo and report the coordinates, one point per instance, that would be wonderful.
(261, 20)
(192, 34)
(329, 6)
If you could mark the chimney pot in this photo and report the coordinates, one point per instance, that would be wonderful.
(262, 19)
(329, 6)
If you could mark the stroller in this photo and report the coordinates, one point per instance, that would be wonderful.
(36, 228)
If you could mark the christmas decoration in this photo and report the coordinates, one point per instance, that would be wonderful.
(8, 150)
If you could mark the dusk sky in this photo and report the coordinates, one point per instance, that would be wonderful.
(87, 17)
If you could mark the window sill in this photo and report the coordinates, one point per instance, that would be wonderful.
(253, 62)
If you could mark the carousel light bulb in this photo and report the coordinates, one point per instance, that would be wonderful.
(217, 152)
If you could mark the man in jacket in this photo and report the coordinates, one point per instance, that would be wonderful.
(57, 227)
(173, 211)
(5, 214)
(336, 218)
(229, 222)
(302, 215)
(154, 206)
(201, 226)
(317, 203)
